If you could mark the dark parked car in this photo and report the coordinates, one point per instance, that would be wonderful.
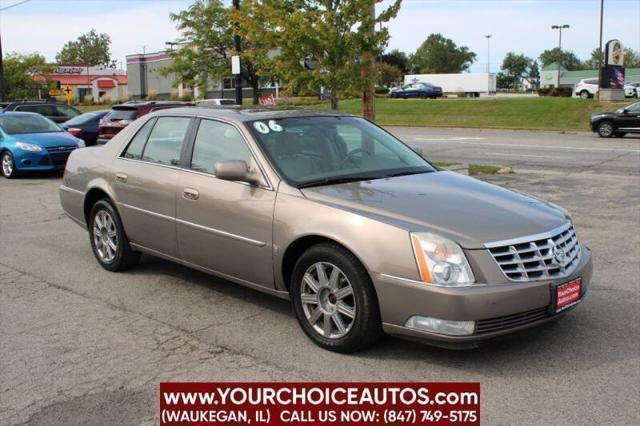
(85, 126)
(58, 113)
(617, 123)
(417, 90)
(121, 115)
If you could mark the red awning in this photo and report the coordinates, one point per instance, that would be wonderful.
(106, 84)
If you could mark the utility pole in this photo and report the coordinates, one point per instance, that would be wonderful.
(368, 71)
(600, 47)
(1, 73)
(488, 37)
(236, 46)
(559, 28)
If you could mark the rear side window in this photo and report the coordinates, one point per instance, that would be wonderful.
(122, 114)
(165, 141)
(215, 142)
(134, 150)
(48, 110)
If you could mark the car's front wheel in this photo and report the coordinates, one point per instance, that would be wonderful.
(334, 299)
(8, 165)
(605, 129)
(108, 240)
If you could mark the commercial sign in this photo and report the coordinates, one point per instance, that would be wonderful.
(614, 53)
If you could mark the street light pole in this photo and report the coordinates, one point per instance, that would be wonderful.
(559, 28)
(601, 53)
(236, 46)
(488, 37)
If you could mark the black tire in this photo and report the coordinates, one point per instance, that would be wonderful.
(585, 94)
(393, 96)
(620, 134)
(423, 96)
(11, 172)
(606, 129)
(365, 326)
(124, 257)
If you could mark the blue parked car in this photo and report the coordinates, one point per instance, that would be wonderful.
(29, 141)
(85, 126)
(417, 90)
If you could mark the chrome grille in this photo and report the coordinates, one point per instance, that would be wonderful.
(550, 255)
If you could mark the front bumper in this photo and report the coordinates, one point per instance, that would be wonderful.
(498, 309)
(43, 160)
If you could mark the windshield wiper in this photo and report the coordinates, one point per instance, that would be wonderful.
(335, 180)
(406, 173)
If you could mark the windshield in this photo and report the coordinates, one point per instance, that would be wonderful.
(27, 123)
(310, 151)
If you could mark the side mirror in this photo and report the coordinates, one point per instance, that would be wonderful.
(416, 149)
(237, 170)
(625, 111)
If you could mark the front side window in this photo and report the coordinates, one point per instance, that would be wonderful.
(217, 141)
(311, 151)
(634, 107)
(165, 140)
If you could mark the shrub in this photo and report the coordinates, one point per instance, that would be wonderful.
(174, 94)
(88, 100)
(565, 92)
(152, 95)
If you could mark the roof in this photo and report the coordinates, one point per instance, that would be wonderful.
(553, 67)
(580, 74)
(78, 79)
(243, 114)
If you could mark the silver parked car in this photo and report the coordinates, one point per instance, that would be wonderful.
(328, 210)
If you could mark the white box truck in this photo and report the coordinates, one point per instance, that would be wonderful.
(471, 84)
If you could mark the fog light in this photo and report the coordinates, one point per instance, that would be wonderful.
(440, 326)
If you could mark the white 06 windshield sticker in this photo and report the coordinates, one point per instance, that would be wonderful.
(275, 126)
(261, 127)
(264, 129)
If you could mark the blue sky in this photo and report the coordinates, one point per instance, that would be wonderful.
(522, 26)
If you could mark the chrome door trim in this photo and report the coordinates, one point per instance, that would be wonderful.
(222, 233)
(149, 212)
(72, 190)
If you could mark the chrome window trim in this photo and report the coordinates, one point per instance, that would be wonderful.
(528, 238)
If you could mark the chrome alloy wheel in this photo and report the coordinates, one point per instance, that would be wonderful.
(605, 129)
(327, 300)
(7, 165)
(105, 236)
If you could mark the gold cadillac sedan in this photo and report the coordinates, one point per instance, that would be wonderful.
(361, 233)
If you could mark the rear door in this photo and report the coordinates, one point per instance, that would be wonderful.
(224, 226)
(146, 176)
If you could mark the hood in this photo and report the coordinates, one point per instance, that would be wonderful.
(466, 210)
(603, 114)
(47, 140)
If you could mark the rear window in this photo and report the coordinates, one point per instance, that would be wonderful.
(82, 119)
(122, 114)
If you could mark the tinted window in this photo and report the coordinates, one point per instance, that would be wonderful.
(85, 118)
(134, 150)
(165, 141)
(122, 114)
(215, 142)
(67, 111)
(48, 110)
(634, 107)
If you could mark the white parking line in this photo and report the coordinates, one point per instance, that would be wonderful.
(539, 147)
(502, 154)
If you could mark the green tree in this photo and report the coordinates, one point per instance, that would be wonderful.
(204, 45)
(631, 59)
(19, 73)
(515, 68)
(438, 54)
(315, 43)
(398, 58)
(565, 58)
(89, 49)
(388, 74)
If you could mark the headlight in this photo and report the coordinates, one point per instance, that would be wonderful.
(440, 260)
(28, 147)
(80, 143)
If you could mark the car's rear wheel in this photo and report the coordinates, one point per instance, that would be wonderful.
(605, 129)
(334, 299)
(393, 96)
(108, 240)
(585, 94)
(8, 165)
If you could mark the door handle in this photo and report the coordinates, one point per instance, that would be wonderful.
(121, 177)
(190, 194)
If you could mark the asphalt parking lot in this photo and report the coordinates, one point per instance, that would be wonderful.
(80, 345)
